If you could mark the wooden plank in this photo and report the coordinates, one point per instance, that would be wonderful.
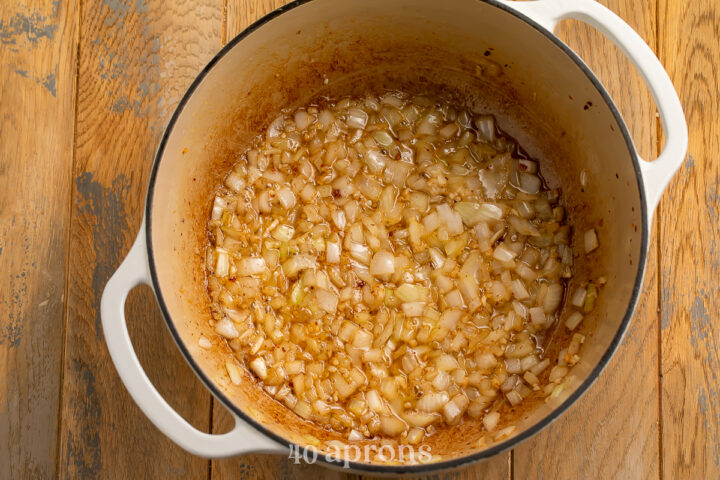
(612, 432)
(37, 92)
(136, 61)
(690, 241)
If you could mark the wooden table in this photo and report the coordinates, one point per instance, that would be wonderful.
(85, 89)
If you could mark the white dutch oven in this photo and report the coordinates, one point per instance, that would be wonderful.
(496, 55)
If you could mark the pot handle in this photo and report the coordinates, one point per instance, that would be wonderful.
(657, 174)
(241, 439)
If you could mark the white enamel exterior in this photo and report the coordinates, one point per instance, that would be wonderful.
(244, 438)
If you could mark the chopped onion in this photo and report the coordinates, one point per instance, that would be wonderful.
(391, 425)
(235, 182)
(332, 252)
(219, 206)
(303, 120)
(413, 309)
(411, 293)
(591, 241)
(473, 213)
(383, 263)
(298, 263)
(486, 127)
(578, 297)
(251, 266)
(259, 368)
(453, 277)
(326, 300)
(222, 265)
(356, 118)
(233, 372)
(338, 217)
(453, 221)
(503, 253)
(226, 328)
(529, 183)
(573, 320)
(375, 161)
(432, 402)
(537, 316)
(553, 297)
(284, 233)
(286, 198)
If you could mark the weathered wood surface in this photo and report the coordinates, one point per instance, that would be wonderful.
(612, 432)
(689, 33)
(37, 95)
(85, 89)
(136, 60)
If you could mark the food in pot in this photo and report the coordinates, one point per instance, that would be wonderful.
(387, 265)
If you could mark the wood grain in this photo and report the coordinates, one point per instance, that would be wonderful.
(690, 240)
(37, 94)
(612, 431)
(136, 60)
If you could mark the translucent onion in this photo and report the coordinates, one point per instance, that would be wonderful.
(326, 300)
(473, 213)
(441, 304)
(356, 118)
(590, 241)
(383, 263)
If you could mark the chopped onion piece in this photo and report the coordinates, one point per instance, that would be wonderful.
(298, 263)
(474, 213)
(326, 300)
(222, 265)
(233, 372)
(413, 309)
(573, 320)
(432, 402)
(259, 368)
(284, 233)
(286, 197)
(453, 221)
(251, 266)
(356, 118)
(503, 253)
(486, 127)
(226, 328)
(383, 263)
(537, 316)
(490, 421)
(591, 241)
(578, 297)
(411, 293)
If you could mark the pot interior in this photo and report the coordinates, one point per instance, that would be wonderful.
(479, 54)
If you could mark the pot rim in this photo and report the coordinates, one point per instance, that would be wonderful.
(408, 468)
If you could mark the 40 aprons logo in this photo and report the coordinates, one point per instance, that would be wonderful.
(344, 454)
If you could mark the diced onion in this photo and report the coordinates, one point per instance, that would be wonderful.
(387, 264)
(383, 263)
(326, 300)
(473, 213)
(251, 266)
(226, 328)
(591, 241)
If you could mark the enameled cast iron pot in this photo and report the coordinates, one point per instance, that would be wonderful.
(498, 56)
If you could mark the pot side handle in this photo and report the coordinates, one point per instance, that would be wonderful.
(656, 174)
(241, 439)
